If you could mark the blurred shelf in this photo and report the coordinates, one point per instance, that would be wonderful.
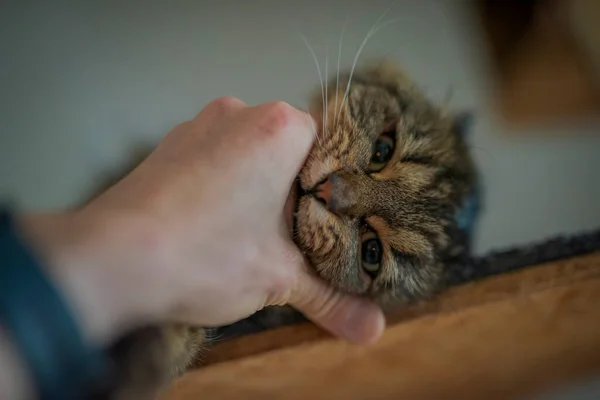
(546, 57)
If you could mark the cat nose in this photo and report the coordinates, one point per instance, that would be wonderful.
(323, 191)
(339, 193)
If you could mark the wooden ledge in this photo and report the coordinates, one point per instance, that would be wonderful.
(502, 338)
(497, 288)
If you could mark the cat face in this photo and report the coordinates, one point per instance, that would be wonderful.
(378, 194)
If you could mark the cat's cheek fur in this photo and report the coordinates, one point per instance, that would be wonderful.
(312, 217)
(329, 242)
(316, 169)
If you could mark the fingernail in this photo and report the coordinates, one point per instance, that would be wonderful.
(364, 323)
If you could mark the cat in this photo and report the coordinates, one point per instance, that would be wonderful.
(377, 210)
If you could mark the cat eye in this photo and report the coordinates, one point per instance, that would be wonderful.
(371, 253)
(382, 153)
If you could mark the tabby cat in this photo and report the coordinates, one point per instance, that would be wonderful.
(376, 211)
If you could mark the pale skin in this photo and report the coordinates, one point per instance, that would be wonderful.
(198, 233)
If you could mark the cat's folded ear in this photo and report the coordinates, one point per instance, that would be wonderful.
(462, 123)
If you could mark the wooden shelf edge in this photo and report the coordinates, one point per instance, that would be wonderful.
(494, 289)
(502, 350)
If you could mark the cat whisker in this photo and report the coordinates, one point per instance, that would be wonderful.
(314, 56)
(360, 49)
(374, 29)
(325, 109)
(312, 124)
(213, 336)
(337, 82)
(315, 132)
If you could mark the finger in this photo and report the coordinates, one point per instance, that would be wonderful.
(218, 108)
(355, 319)
(287, 134)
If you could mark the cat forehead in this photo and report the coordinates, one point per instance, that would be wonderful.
(386, 77)
(374, 79)
(374, 104)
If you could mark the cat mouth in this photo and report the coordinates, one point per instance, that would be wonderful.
(297, 192)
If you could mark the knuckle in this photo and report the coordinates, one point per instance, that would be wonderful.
(182, 126)
(225, 103)
(278, 116)
(179, 129)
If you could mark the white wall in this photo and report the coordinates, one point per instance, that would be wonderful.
(80, 84)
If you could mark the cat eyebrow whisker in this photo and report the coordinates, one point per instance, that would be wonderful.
(314, 128)
(325, 114)
(314, 56)
(374, 29)
(337, 82)
(312, 123)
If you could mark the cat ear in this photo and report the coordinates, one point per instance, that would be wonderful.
(461, 125)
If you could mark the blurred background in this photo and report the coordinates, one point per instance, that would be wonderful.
(83, 84)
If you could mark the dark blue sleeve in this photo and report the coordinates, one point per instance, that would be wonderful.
(40, 322)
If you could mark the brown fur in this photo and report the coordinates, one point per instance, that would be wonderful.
(149, 358)
(409, 206)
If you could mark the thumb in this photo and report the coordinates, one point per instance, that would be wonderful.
(355, 319)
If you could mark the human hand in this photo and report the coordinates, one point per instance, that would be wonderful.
(197, 233)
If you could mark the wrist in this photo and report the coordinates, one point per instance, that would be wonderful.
(92, 260)
(42, 321)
